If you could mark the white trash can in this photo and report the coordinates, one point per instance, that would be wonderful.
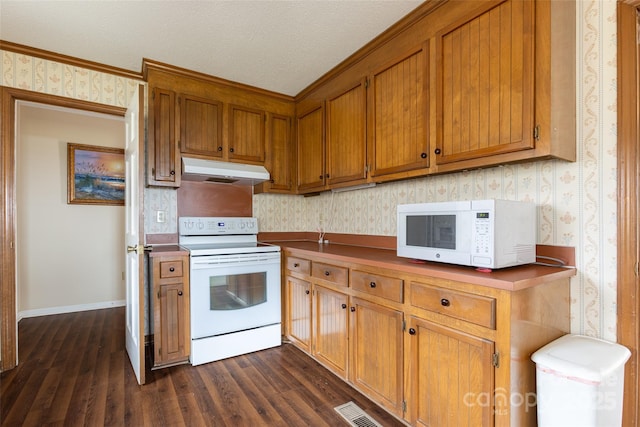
(580, 382)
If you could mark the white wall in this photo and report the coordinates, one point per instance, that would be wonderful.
(70, 257)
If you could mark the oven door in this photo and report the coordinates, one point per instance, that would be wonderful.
(231, 293)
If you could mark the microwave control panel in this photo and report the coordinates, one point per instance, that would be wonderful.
(482, 232)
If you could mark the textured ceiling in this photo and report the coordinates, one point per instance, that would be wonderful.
(281, 46)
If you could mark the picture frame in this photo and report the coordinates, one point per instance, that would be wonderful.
(96, 175)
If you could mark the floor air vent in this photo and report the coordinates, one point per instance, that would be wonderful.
(355, 416)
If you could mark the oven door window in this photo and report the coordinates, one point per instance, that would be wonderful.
(237, 291)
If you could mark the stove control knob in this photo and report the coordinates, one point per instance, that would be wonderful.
(200, 225)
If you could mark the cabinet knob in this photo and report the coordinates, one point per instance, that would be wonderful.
(372, 284)
(412, 331)
(423, 155)
(172, 173)
(437, 151)
(327, 175)
(172, 269)
(353, 309)
(179, 293)
(295, 264)
(326, 273)
(231, 149)
(321, 177)
(307, 292)
(219, 148)
(344, 305)
(445, 302)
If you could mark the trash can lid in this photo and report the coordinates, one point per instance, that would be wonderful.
(583, 357)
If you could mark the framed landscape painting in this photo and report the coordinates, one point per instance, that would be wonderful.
(96, 175)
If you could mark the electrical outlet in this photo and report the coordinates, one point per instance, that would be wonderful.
(161, 216)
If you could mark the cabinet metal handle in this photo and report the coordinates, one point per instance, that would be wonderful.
(307, 292)
(172, 269)
(423, 155)
(445, 302)
(353, 309)
(172, 173)
(372, 284)
(219, 148)
(295, 264)
(320, 176)
(327, 175)
(437, 151)
(412, 331)
(326, 273)
(231, 149)
(179, 293)
(344, 305)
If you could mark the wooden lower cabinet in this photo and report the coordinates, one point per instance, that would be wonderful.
(377, 353)
(431, 351)
(170, 302)
(298, 312)
(450, 376)
(330, 329)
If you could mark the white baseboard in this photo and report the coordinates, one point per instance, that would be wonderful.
(69, 309)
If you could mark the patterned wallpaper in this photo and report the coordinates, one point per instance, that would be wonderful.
(576, 201)
(55, 78)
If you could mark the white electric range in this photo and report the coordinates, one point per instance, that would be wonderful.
(235, 287)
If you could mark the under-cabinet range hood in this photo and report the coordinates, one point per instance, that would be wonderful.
(222, 172)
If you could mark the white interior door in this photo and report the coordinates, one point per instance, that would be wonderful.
(134, 233)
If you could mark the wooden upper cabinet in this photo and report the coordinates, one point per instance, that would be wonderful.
(399, 115)
(246, 134)
(311, 160)
(346, 148)
(164, 156)
(280, 152)
(201, 126)
(485, 82)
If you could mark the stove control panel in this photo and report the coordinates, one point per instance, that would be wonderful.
(216, 226)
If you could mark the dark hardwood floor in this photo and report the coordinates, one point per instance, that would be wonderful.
(74, 371)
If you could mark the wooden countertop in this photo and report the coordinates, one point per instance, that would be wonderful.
(167, 250)
(511, 278)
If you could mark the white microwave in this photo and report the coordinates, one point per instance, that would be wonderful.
(481, 233)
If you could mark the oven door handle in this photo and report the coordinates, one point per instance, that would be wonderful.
(226, 260)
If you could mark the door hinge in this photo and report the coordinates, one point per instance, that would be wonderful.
(11, 247)
(158, 293)
(404, 325)
(536, 132)
(404, 406)
(153, 94)
(636, 267)
(495, 360)
(366, 84)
